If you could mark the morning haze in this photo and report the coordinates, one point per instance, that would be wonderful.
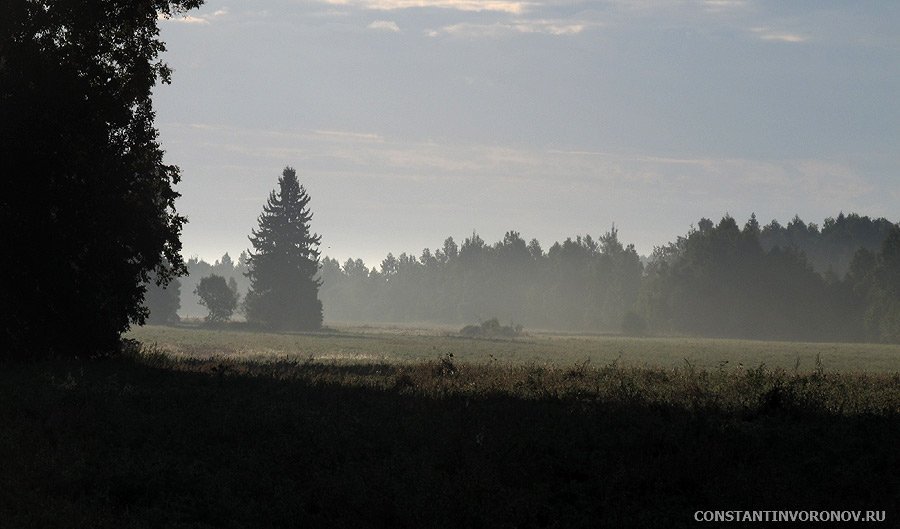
(412, 121)
(449, 263)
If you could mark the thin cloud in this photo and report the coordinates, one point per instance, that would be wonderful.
(199, 20)
(188, 19)
(516, 27)
(723, 5)
(778, 36)
(784, 37)
(636, 173)
(503, 6)
(385, 25)
(625, 185)
(342, 134)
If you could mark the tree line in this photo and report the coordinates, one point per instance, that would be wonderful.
(831, 248)
(716, 280)
(581, 283)
(720, 280)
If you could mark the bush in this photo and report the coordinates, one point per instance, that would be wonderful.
(217, 297)
(491, 329)
(471, 330)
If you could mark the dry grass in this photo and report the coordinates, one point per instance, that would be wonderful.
(418, 344)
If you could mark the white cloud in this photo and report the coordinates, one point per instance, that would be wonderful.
(784, 37)
(200, 20)
(778, 36)
(187, 19)
(385, 25)
(501, 29)
(723, 5)
(504, 6)
(345, 135)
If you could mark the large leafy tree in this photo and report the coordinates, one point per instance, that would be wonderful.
(283, 286)
(88, 208)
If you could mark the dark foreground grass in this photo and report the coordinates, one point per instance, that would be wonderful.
(146, 441)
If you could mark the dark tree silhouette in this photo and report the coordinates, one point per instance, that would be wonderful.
(720, 281)
(217, 297)
(580, 284)
(282, 270)
(233, 272)
(880, 284)
(717, 280)
(831, 249)
(163, 301)
(88, 209)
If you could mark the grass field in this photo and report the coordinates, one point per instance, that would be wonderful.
(412, 344)
(381, 427)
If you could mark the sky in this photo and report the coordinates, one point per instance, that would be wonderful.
(409, 121)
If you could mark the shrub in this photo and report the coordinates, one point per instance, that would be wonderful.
(217, 297)
(491, 329)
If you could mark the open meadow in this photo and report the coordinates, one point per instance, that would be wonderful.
(382, 427)
(285, 193)
(405, 344)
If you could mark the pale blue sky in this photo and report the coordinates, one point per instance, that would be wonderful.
(412, 120)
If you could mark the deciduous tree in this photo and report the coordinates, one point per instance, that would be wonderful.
(217, 297)
(88, 207)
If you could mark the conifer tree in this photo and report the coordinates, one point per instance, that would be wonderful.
(283, 287)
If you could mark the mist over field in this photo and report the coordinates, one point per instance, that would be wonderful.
(552, 164)
(449, 263)
(792, 282)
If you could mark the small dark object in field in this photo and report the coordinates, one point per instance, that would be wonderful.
(492, 329)
(447, 367)
(471, 330)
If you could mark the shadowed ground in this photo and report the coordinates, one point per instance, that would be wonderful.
(147, 441)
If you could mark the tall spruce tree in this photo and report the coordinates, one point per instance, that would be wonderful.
(283, 287)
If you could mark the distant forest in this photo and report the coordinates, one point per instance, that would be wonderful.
(840, 281)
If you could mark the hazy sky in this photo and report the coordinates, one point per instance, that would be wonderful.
(412, 120)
